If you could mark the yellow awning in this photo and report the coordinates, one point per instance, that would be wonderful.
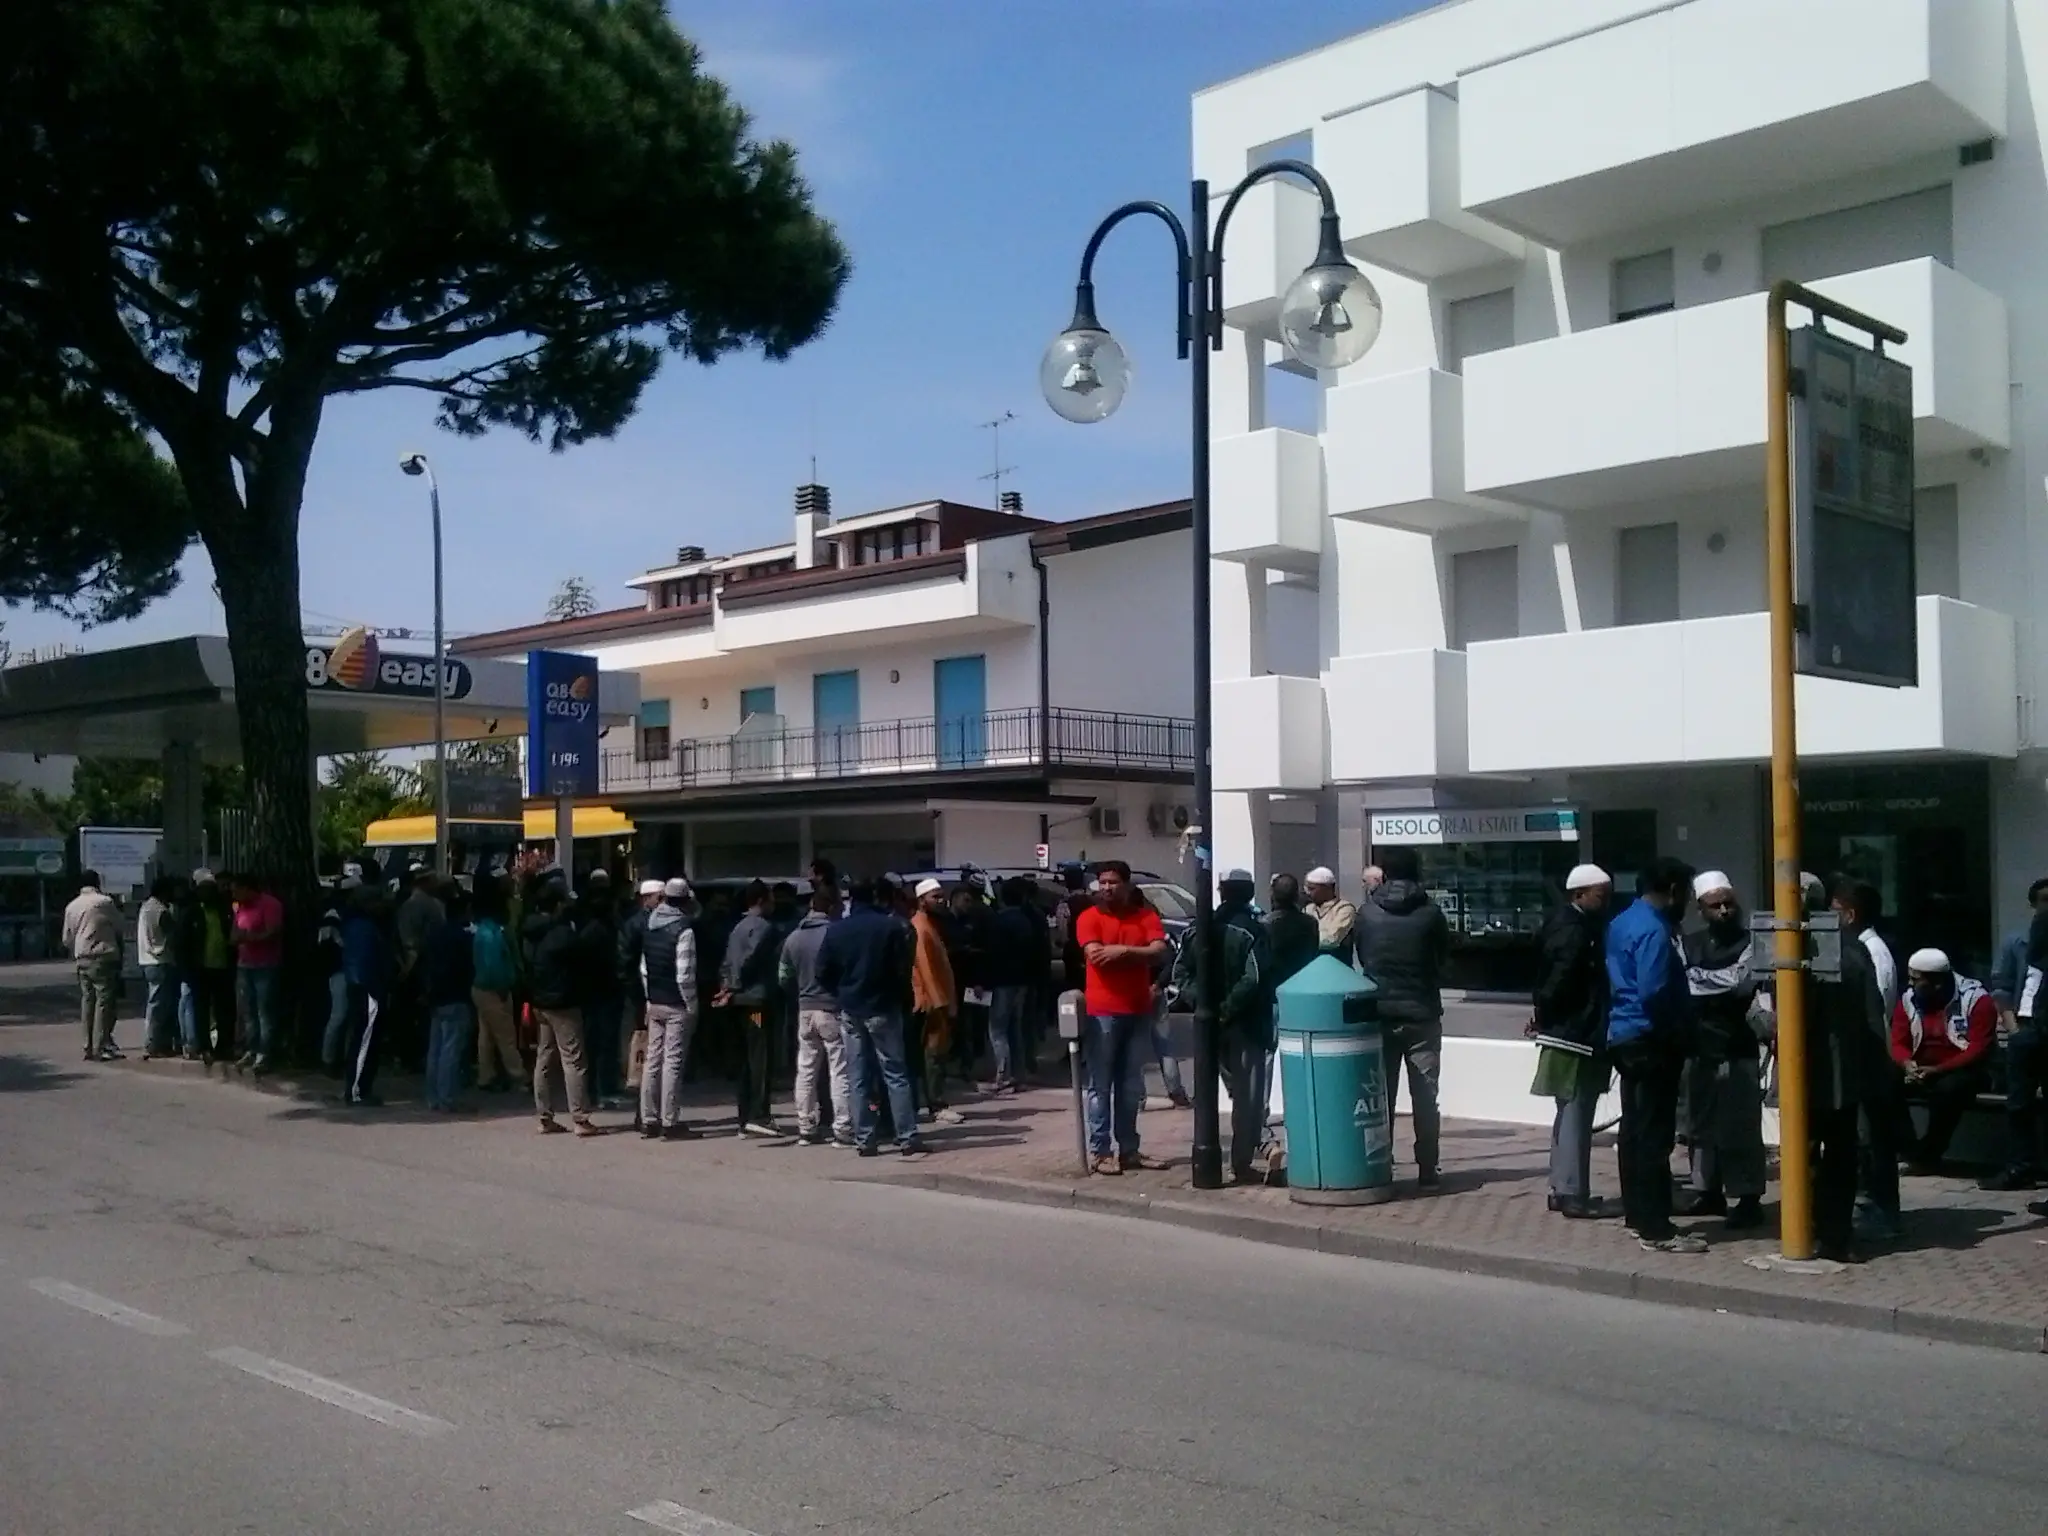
(418, 831)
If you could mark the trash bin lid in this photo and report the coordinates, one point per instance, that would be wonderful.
(1310, 1001)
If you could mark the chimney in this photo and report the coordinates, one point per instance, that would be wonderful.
(689, 554)
(813, 514)
(1012, 502)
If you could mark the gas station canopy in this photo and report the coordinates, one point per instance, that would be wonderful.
(140, 700)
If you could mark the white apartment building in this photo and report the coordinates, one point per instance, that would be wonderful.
(1531, 518)
(914, 688)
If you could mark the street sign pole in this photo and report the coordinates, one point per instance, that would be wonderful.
(1794, 1144)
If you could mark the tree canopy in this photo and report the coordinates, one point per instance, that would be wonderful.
(217, 215)
(573, 599)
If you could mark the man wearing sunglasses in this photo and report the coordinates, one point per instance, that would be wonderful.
(1724, 1078)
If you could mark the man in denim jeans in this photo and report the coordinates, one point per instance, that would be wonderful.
(864, 961)
(258, 938)
(1122, 940)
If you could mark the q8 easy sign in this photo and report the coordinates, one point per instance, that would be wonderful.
(561, 724)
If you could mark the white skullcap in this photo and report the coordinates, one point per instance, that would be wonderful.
(927, 886)
(202, 877)
(678, 888)
(1713, 880)
(650, 887)
(1322, 874)
(1928, 962)
(1584, 877)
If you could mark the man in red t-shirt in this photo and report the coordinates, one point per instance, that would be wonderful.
(1122, 939)
(1943, 1029)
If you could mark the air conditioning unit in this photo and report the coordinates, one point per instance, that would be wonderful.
(1162, 819)
(1107, 820)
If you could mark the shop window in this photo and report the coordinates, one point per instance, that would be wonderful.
(1646, 574)
(654, 742)
(1643, 286)
(1485, 596)
(1482, 323)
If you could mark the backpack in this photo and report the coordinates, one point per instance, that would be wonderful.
(492, 956)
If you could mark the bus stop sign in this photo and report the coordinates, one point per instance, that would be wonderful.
(1852, 511)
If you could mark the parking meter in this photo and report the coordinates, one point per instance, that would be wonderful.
(1073, 1023)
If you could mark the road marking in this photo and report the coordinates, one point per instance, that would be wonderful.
(667, 1515)
(332, 1393)
(112, 1311)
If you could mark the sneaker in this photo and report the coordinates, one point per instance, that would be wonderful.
(91, 1054)
(1677, 1242)
(650, 1132)
(366, 1101)
(194, 1056)
(843, 1141)
(113, 1053)
(913, 1149)
(812, 1138)
(1428, 1180)
(1134, 1161)
(1573, 1208)
(681, 1132)
(1180, 1100)
(950, 1117)
(869, 1149)
(2007, 1180)
(1108, 1166)
(585, 1128)
(759, 1128)
(550, 1126)
(1747, 1213)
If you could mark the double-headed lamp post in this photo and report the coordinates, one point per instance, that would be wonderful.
(416, 464)
(1329, 317)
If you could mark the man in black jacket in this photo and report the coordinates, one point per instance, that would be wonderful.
(1292, 936)
(1402, 943)
(1017, 960)
(559, 962)
(1724, 1078)
(1243, 1010)
(1571, 1032)
(747, 983)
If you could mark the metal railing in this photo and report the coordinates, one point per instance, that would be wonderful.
(1012, 738)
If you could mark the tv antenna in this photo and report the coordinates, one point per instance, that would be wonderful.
(995, 433)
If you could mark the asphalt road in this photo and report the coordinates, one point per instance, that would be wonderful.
(220, 1312)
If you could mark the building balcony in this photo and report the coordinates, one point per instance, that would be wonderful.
(1272, 241)
(986, 585)
(1674, 403)
(1394, 168)
(1710, 102)
(1399, 715)
(1696, 691)
(1394, 453)
(1269, 733)
(1266, 501)
(1065, 740)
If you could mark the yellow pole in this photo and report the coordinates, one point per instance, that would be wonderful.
(1795, 1149)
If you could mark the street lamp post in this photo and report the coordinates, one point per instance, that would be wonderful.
(416, 464)
(1329, 317)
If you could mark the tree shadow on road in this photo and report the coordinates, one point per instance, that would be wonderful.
(28, 1074)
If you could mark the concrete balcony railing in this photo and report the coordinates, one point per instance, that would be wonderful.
(1269, 733)
(1696, 692)
(1704, 103)
(1394, 453)
(1674, 403)
(1399, 715)
(1267, 499)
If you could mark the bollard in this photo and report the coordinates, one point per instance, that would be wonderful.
(1072, 1021)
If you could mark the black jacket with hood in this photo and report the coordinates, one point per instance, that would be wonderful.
(1571, 978)
(1402, 941)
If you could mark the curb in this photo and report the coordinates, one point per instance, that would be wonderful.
(1631, 1285)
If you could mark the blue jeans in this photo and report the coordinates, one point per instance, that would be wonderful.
(1162, 1047)
(447, 1050)
(160, 1012)
(188, 1018)
(1007, 1040)
(874, 1047)
(1116, 1080)
(256, 992)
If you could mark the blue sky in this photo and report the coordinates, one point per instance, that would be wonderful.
(965, 150)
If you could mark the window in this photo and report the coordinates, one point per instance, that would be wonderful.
(756, 701)
(1646, 574)
(878, 545)
(1486, 601)
(1483, 323)
(1937, 555)
(686, 591)
(1642, 286)
(1857, 239)
(653, 741)
(767, 568)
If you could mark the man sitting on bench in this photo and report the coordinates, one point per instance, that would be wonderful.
(1943, 1029)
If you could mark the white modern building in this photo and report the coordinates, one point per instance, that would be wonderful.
(914, 688)
(1530, 521)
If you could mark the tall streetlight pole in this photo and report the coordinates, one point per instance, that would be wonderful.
(1329, 317)
(416, 464)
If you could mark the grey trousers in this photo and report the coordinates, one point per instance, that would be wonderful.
(1571, 1133)
(1422, 1047)
(99, 995)
(821, 1058)
(661, 1076)
(1727, 1099)
(560, 1055)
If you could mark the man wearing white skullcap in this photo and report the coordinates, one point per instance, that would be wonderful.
(1571, 1026)
(1335, 917)
(1943, 1031)
(1724, 1075)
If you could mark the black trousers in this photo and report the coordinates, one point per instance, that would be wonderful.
(365, 1043)
(1833, 1133)
(213, 1007)
(1948, 1098)
(1885, 1132)
(913, 1060)
(753, 1075)
(1650, 1072)
(1244, 1073)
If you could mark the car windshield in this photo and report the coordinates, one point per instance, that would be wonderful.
(1173, 903)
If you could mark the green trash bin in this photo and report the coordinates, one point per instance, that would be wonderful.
(1340, 1138)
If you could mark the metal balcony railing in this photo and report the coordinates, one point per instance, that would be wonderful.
(1012, 738)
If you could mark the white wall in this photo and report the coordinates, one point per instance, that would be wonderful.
(1122, 627)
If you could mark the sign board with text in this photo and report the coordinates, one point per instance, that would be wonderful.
(1852, 512)
(561, 724)
(1487, 824)
(355, 664)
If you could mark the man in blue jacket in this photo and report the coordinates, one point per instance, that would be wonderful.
(864, 961)
(1648, 1029)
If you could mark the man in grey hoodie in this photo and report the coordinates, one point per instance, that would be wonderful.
(820, 1039)
(667, 946)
